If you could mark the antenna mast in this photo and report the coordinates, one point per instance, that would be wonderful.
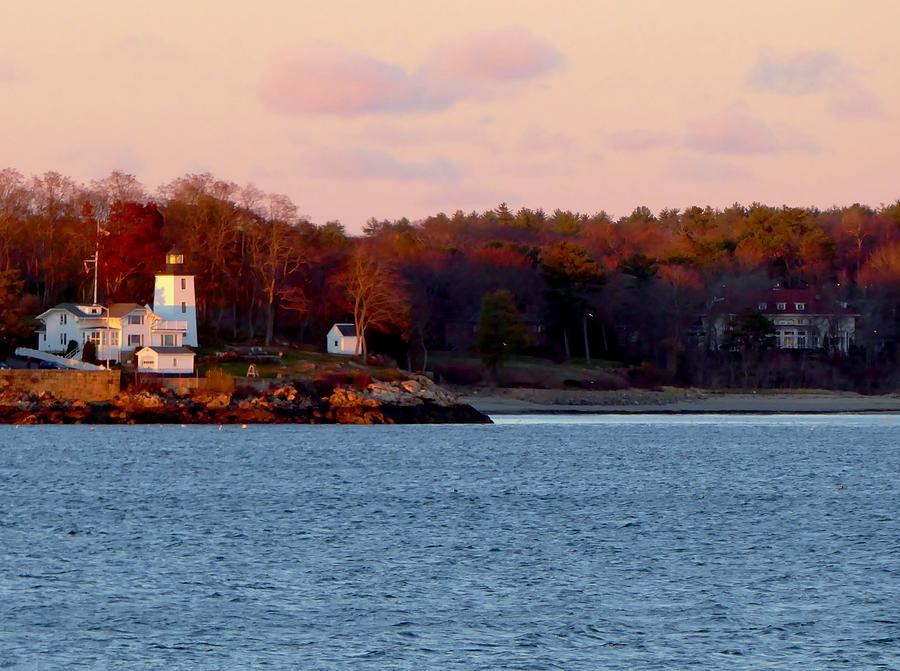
(95, 261)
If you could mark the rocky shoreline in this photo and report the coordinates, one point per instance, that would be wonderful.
(416, 401)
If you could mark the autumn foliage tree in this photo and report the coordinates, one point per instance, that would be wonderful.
(263, 271)
(131, 251)
(12, 321)
(375, 294)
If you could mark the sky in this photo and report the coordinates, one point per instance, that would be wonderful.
(411, 107)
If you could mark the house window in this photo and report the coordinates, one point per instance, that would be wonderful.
(183, 283)
(135, 319)
(175, 259)
(63, 318)
(135, 339)
(336, 344)
(44, 337)
(762, 306)
(183, 307)
(174, 363)
(94, 337)
(781, 306)
(168, 340)
(801, 339)
(62, 339)
(114, 338)
(800, 306)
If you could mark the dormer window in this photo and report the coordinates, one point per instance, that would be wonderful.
(781, 306)
(135, 319)
(800, 306)
(762, 306)
(63, 318)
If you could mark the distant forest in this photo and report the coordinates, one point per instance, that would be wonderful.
(631, 289)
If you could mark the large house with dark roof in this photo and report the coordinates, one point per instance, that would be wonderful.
(802, 318)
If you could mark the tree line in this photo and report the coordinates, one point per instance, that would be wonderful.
(582, 285)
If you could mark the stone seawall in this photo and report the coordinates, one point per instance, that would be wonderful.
(65, 385)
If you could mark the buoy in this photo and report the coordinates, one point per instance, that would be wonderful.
(243, 426)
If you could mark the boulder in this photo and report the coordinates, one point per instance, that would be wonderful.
(213, 400)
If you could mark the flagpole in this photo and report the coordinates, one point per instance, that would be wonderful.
(96, 260)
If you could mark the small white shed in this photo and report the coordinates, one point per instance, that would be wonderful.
(342, 339)
(166, 360)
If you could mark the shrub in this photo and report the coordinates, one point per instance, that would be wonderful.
(361, 380)
(89, 352)
(460, 373)
(647, 376)
(218, 380)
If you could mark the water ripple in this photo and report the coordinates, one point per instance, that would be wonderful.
(621, 544)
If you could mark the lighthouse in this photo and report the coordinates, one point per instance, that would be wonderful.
(173, 297)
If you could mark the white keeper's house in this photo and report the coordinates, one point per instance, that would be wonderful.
(160, 336)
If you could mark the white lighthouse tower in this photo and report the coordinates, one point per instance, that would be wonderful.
(174, 298)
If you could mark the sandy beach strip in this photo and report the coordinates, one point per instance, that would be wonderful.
(676, 401)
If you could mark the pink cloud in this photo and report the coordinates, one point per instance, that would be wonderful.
(706, 170)
(855, 103)
(97, 161)
(9, 73)
(148, 48)
(743, 135)
(394, 134)
(639, 140)
(474, 66)
(816, 72)
(538, 140)
(327, 80)
(798, 74)
(359, 164)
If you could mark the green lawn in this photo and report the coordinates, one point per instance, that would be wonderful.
(519, 371)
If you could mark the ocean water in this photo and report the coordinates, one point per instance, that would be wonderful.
(537, 543)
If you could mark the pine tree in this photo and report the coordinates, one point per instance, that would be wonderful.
(500, 331)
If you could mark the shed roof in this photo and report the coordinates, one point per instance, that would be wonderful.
(168, 350)
(348, 330)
